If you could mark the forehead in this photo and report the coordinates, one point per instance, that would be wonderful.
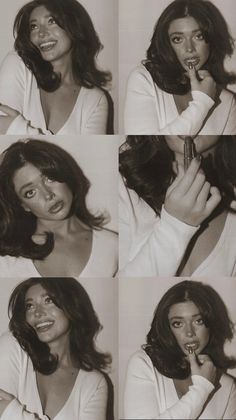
(184, 25)
(28, 173)
(35, 291)
(39, 12)
(183, 309)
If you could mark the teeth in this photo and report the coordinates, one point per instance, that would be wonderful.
(190, 347)
(48, 44)
(44, 324)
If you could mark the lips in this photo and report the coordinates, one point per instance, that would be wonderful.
(191, 346)
(47, 46)
(55, 208)
(192, 61)
(43, 326)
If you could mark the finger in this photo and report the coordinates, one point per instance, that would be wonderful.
(179, 176)
(203, 74)
(9, 111)
(192, 360)
(213, 201)
(189, 176)
(203, 194)
(196, 186)
(192, 74)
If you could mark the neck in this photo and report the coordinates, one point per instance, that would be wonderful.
(61, 349)
(60, 227)
(64, 67)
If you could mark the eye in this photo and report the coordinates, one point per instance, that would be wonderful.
(51, 20)
(30, 193)
(28, 307)
(48, 180)
(48, 299)
(32, 27)
(199, 36)
(176, 324)
(176, 39)
(199, 321)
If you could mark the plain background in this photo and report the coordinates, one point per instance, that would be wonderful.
(137, 19)
(97, 156)
(104, 16)
(103, 293)
(138, 298)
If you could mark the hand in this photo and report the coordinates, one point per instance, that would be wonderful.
(190, 198)
(6, 120)
(202, 365)
(206, 85)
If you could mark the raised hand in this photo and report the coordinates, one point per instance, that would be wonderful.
(202, 365)
(206, 84)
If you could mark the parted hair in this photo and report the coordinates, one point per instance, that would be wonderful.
(161, 60)
(161, 345)
(69, 295)
(71, 16)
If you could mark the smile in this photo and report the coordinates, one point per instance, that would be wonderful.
(47, 46)
(43, 326)
(56, 207)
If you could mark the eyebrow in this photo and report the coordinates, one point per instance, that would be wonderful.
(182, 317)
(46, 16)
(181, 33)
(31, 299)
(29, 184)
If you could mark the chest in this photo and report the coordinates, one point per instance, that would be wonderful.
(69, 256)
(54, 390)
(57, 106)
(202, 245)
(182, 101)
(182, 386)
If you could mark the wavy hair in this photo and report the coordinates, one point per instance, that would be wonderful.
(74, 19)
(68, 295)
(161, 60)
(225, 163)
(17, 226)
(162, 346)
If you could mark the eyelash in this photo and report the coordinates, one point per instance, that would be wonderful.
(51, 21)
(46, 179)
(179, 324)
(48, 300)
(178, 39)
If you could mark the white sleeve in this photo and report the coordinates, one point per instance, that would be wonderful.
(94, 407)
(21, 126)
(10, 363)
(230, 127)
(159, 250)
(230, 412)
(143, 394)
(142, 108)
(96, 120)
(17, 411)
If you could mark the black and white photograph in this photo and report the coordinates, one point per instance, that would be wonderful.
(177, 67)
(58, 349)
(177, 348)
(56, 71)
(177, 206)
(51, 223)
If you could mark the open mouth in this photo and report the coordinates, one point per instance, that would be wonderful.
(192, 62)
(191, 347)
(44, 326)
(56, 207)
(47, 46)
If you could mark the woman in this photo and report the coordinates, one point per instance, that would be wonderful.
(174, 224)
(180, 373)
(46, 228)
(181, 86)
(49, 363)
(51, 82)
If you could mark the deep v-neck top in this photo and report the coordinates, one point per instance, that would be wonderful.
(87, 400)
(102, 262)
(19, 90)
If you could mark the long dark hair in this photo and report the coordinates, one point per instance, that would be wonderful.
(225, 162)
(161, 60)
(17, 225)
(146, 163)
(74, 19)
(162, 346)
(68, 294)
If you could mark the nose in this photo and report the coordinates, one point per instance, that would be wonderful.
(43, 31)
(39, 311)
(47, 193)
(190, 331)
(189, 45)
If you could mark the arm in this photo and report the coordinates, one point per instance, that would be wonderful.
(230, 127)
(230, 412)
(96, 115)
(144, 105)
(144, 393)
(95, 404)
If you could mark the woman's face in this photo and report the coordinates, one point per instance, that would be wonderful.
(51, 40)
(203, 144)
(46, 198)
(188, 43)
(48, 321)
(188, 327)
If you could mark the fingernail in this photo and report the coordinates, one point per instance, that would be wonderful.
(190, 66)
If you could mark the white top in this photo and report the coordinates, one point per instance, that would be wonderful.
(150, 110)
(87, 401)
(150, 395)
(19, 90)
(102, 262)
(150, 246)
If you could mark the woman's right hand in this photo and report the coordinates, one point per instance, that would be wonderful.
(206, 85)
(190, 198)
(202, 365)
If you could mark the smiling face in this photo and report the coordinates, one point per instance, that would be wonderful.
(52, 41)
(48, 321)
(46, 198)
(188, 43)
(188, 327)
